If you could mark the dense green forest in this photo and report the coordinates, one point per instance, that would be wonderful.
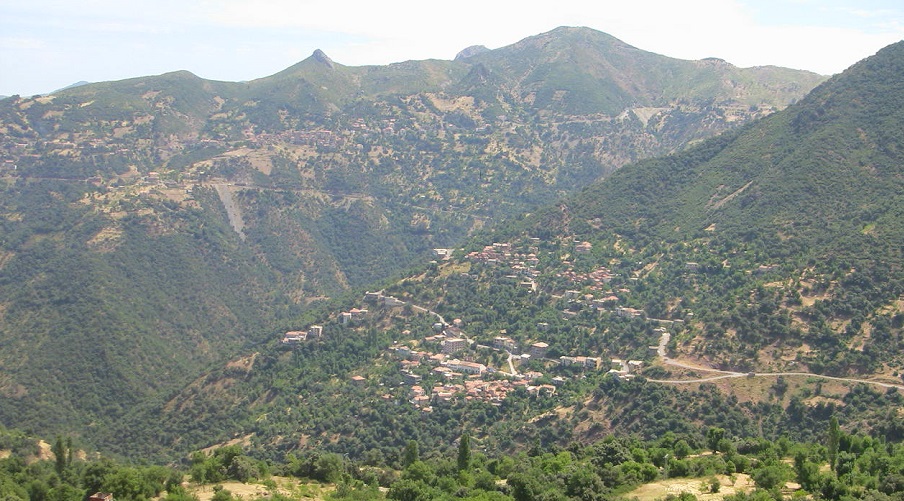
(839, 465)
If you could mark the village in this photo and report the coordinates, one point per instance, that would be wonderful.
(443, 365)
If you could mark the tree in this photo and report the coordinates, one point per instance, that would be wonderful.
(833, 438)
(59, 453)
(682, 449)
(770, 477)
(464, 452)
(411, 453)
(410, 490)
(243, 469)
(713, 436)
(329, 467)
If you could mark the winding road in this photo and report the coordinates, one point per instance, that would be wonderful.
(664, 340)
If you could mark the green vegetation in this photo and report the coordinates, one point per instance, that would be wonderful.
(153, 228)
(610, 468)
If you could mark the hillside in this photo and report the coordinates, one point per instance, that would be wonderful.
(151, 227)
(753, 282)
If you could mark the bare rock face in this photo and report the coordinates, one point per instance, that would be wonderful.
(471, 52)
(321, 57)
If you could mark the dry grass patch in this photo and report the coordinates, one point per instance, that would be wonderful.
(699, 487)
(290, 487)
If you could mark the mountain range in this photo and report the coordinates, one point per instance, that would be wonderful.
(157, 226)
(763, 267)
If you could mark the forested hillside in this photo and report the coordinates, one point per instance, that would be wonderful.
(152, 227)
(751, 283)
(707, 464)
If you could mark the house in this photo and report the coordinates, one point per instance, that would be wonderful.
(294, 337)
(629, 312)
(454, 345)
(443, 254)
(583, 248)
(584, 362)
(466, 367)
(345, 318)
(403, 352)
(538, 350)
(589, 362)
(316, 331)
(359, 380)
(101, 496)
(504, 343)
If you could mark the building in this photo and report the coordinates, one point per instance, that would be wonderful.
(294, 337)
(504, 343)
(454, 345)
(538, 350)
(466, 367)
(584, 362)
(629, 312)
(443, 254)
(358, 314)
(101, 496)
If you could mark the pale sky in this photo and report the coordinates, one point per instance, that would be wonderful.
(48, 44)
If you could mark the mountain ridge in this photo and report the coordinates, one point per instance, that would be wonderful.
(771, 252)
(343, 177)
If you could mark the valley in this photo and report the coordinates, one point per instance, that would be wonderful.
(563, 269)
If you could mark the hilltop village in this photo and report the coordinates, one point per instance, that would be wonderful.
(446, 364)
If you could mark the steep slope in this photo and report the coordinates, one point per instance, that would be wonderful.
(579, 71)
(152, 226)
(101, 312)
(764, 268)
(805, 207)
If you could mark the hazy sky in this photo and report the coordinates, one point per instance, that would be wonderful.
(48, 44)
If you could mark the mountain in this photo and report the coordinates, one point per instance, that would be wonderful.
(154, 226)
(73, 85)
(764, 268)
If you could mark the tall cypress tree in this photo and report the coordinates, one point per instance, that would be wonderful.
(464, 452)
(59, 453)
(832, 441)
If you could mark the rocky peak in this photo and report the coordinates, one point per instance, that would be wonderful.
(471, 52)
(322, 58)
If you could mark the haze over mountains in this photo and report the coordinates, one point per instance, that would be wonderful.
(771, 253)
(152, 227)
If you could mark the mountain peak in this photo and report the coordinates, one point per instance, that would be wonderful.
(322, 58)
(471, 52)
